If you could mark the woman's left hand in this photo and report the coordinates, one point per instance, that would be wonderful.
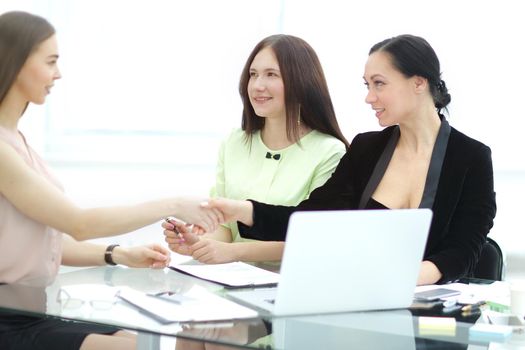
(210, 251)
(152, 255)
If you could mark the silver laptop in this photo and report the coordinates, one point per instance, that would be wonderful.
(350, 260)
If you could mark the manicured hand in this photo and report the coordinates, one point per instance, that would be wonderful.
(197, 212)
(173, 235)
(210, 251)
(232, 210)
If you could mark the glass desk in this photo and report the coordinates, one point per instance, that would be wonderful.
(396, 329)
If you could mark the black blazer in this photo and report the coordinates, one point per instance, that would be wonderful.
(463, 211)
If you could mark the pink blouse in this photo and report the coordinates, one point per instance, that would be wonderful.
(30, 252)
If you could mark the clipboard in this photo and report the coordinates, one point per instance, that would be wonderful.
(230, 275)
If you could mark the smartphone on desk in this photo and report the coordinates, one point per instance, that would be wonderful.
(435, 294)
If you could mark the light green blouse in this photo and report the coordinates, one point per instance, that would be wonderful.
(244, 172)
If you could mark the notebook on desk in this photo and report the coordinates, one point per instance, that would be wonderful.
(351, 260)
(231, 275)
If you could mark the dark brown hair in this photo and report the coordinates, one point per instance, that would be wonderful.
(412, 55)
(20, 34)
(305, 89)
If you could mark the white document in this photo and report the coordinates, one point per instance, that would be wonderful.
(196, 305)
(235, 274)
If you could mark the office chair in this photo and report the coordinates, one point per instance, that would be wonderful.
(490, 264)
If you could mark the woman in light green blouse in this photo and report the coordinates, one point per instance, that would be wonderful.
(289, 144)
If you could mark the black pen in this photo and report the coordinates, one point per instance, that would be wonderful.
(166, 296)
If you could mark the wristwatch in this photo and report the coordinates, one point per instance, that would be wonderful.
(108, 255)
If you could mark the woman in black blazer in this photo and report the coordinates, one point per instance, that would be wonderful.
(418, 161)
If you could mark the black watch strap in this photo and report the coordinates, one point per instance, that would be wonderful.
(108, 255)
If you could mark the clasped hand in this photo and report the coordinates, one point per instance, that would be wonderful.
(208, 215)
(204, 216)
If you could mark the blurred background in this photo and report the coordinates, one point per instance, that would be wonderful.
(150, 88)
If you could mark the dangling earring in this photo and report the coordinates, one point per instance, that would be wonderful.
(299, 117)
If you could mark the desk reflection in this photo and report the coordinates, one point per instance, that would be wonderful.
(238, 334)
(372, 330)
(397, 329)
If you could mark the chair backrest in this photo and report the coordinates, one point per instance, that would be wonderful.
(490, 264)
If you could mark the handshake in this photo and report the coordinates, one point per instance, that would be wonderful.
(198, 221)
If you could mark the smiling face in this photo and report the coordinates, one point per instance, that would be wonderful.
(266, 87)
(37, 76)
(391, 95)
